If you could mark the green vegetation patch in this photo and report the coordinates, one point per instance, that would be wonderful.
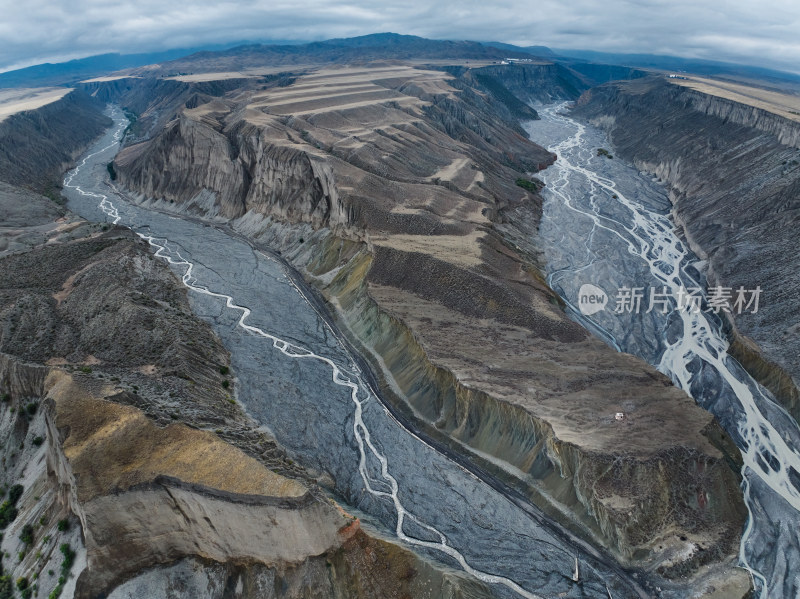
(8, 509)
(66, 566)
(532, 185)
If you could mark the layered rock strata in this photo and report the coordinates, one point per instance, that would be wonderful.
(733, 172)
(395, 190)
(115, 421)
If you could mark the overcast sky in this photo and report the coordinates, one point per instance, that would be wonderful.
(747, 31)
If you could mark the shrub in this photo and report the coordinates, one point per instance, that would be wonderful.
(8, 510)
(528, 185)
(224, 370)
(26, 534)
(226, 384)
(69, 557)
(111, 171)
(6, 588)
(14, 493)
(63, 525)
(8, 513)
(66, 565)
(38, 441)
(31, 408)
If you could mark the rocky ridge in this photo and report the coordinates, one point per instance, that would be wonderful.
(143, 443)
(37, 146)
(407, 216)
(734, 174)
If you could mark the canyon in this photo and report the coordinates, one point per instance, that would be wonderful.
(734, 173)
(253, 237)
(139, 448)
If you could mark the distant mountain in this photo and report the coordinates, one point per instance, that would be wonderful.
(596, 67)
(541, 51)
(691, 65)
(378, 46)
(66, 73)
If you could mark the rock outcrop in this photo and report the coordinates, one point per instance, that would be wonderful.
(111, 389)
(416, 247)
(147, 495)
(37, 146)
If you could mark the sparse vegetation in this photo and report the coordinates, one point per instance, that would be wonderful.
(8, 509)
(24, 588)
(63, 525)
(529, 185)
(66, 566)
(132, 118)
(500, 92)
(604, 152)
(26, 534)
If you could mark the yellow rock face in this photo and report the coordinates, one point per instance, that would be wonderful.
(112, 447)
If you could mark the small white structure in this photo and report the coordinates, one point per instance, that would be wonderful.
(619, 416)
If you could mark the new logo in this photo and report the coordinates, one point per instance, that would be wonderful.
(591, 299)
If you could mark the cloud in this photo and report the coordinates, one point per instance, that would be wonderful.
(764, 34)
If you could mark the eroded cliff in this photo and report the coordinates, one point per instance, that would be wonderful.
(36, 146)
(409, 223)
(120, 430)
(734, 176)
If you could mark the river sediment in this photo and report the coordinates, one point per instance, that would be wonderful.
(299, 380)
(608, 225)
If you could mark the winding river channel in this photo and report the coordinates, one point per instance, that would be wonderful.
(607, 225)
(297, 377)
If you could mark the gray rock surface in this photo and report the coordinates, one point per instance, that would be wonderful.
(38, 145)
(111, 389)
(734, 178)
(418, 272)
